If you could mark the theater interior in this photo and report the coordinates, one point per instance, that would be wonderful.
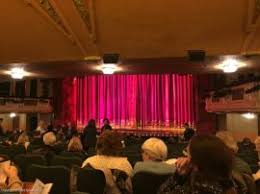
(174, 70)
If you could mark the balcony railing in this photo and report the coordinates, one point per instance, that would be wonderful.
(25, 105)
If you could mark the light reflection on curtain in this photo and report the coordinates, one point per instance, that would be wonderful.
(132, 101)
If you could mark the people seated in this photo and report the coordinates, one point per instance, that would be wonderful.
(154, 153)
(41, 128)
(89, 136)
(207, 169)
(107, 159)
(239, 165)
(106, 125)
(69, 130)
(9, 179)
(50, 147)
(23, 139)
(257, 145)
(76, 146)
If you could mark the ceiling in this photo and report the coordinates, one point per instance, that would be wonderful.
(51, 38)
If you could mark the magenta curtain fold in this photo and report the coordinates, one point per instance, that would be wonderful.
(132, 101)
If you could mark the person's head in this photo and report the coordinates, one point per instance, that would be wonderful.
(92, 123)
(75, 145)
(186, 125)
(49, 139)
(154, 149)
(106, 121)
(50, 127)
(23, 138)
(211, 157)
(109, 144)
(257, 146)
(41, 124)
(228, 139)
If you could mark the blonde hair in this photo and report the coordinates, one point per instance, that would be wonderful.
(228, 139)
(257, 144)
(75, 145)
(23, 138)
(49, 138)
(155, 148)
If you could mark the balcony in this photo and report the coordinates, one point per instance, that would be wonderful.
(25, 105)
(238, 99)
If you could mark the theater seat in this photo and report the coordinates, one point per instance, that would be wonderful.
(66, 161)
(90, 180)
(73, 154)
(12, 150)
(145, 182)
(58, 175)
(23, 161)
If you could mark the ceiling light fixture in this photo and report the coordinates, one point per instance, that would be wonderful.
(17, 73)
(12, 115)
(108, 68)
(249, 115)
(230, 65)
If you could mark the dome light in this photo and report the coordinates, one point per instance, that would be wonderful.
(108, 68)
(249, 115)
(12, 115)
(230, 65)
(17, 73)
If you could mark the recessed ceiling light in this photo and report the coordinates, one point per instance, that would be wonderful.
(17, 73)
(249, 115)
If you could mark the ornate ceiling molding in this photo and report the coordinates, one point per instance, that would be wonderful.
(253, 21)
(47, 10)
(85, 9)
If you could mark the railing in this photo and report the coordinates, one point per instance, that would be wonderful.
(237, 101)
(25, 105)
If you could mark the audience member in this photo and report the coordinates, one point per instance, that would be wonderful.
(75, 145)
(208, 169)
(106, 125)
(70, 130)
(23, 139)
(239, 165)
(108, 149)
(1, 127)
(189, 132)
(9, 179)
(41, 128)
(89, 136)
(50, 147)
(257, 145)
(154, 153)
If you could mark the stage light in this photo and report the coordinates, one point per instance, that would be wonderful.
(249, 115)
(17, 73)
(230, 65)
(12, 115)
(108, 68)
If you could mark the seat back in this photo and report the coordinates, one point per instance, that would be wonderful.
(250, 183)
(23, 161)
(145, 182)
(73, 154)
(12, 150)
(4, 156)
(90, 180)
(66, 161)
(58, 175)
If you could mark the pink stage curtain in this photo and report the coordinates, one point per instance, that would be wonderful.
(130, 101)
